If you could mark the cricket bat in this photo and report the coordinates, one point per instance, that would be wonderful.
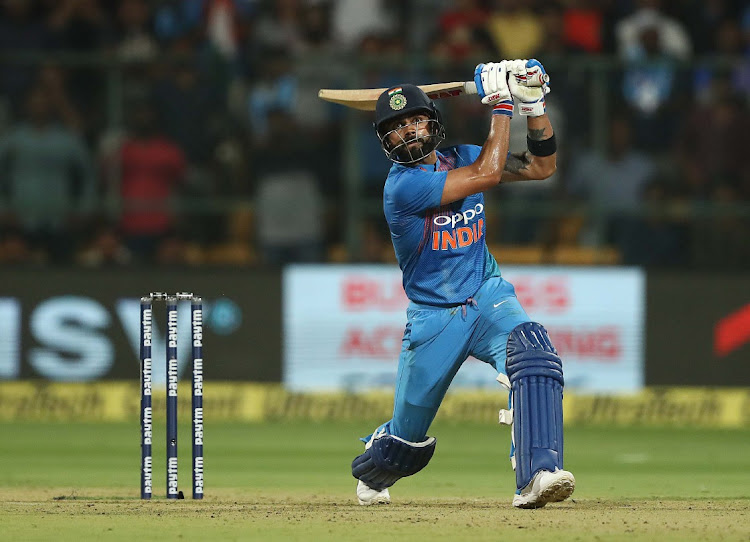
(365, 99)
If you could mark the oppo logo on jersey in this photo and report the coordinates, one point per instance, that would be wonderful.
(458, 237)
(455, 218)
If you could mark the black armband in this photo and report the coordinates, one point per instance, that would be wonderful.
(545, 147)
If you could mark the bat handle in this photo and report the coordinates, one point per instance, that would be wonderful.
(470, 87)
(540, 81)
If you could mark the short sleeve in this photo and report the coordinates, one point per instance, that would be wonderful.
(417, 190)
(468, 154)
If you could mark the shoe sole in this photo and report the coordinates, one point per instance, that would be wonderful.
(377, 500)
(558, 490)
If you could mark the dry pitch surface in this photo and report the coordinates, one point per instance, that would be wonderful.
(296, 517)
(291, 482)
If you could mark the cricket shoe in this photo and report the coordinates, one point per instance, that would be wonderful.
(367, 496)
(546, 487)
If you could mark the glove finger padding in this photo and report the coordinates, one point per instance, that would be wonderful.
(528, 84)
(517, 69)
(492, 83)
(536, 76)
(524, 93)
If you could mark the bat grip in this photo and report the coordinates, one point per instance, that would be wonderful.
(471, 88)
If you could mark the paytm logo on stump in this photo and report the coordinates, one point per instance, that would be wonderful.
(464, 230)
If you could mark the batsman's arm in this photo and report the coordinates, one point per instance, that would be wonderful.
(487, 170)
(540, 160)
(529, 84)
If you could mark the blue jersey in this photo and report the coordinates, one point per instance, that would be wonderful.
(441, 249)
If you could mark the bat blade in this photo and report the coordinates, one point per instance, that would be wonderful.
(365, 99)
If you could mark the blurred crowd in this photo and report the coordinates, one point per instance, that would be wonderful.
(189, 132)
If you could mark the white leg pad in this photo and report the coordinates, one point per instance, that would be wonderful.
(504, 381)
(506, 417)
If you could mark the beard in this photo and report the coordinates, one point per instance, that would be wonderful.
(416, 149)
(410, 151)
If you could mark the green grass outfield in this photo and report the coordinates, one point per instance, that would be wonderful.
(291, 481)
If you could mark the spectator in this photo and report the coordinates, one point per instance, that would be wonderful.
(312, 114)
(47, 177)
(703, 20)
(175, 18)
(278, 25)
(461, 32)
(671, 36)
(289, 218)
(20, 31)
(288, 200)
(734, 60)
(182, 94)
(79, 25)
(707, 145)
(651, 43)
(583, 25)
(230, 163)
(514, 28)
(151, 170)
(52, 78)
(135, 40)
(276, 89)
(554, 40)
(612, 183)
(221, 22)
(352, 19)
(653, 89)
(315, 28)
(374, 166)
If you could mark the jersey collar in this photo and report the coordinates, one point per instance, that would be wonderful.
(435, 166)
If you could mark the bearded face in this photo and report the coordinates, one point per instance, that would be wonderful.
(411, 138)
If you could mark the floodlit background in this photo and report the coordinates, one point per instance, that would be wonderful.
(189, 133)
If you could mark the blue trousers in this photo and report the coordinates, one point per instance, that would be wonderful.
(436, 343)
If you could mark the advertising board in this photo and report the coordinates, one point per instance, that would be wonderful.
(83, 325)
(343, 326)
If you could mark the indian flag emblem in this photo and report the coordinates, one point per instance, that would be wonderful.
(398, 100)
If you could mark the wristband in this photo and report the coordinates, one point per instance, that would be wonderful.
(532, 109)
(503, 108)
(545, 147)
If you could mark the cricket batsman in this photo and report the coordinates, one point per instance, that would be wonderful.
(460, 305)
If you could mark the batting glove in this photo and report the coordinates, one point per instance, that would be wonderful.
(492, 86)
(529, 83)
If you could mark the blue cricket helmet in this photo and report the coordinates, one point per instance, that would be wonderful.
(403, 101)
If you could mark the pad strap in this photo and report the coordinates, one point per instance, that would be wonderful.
(535, 373)
(388, 458)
